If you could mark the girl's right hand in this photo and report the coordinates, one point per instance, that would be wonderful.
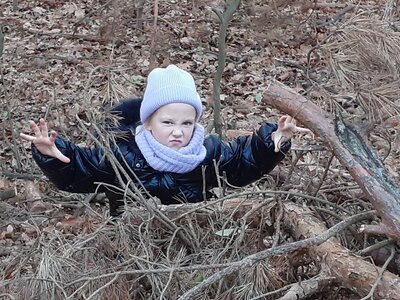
(43, 142)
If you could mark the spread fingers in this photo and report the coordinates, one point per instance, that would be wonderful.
(35, 128)
(302, 130)
(53, 136)
(43, 127)
(26, 137)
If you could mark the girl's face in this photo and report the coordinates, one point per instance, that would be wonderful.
(172, 125)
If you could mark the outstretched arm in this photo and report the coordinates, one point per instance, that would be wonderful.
(71, 168)
(248, 158)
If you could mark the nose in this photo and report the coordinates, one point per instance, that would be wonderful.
(177, 132)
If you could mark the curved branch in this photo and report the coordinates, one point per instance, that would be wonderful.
(349, 148)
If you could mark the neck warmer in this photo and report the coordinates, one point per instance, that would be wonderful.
(163, 158)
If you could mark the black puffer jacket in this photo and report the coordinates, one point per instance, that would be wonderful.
(244, 160)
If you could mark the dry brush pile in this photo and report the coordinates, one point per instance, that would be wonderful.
(294, 234)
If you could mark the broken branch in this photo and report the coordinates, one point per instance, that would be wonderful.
(347, 145)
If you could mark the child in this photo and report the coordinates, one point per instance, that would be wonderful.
(168, 153)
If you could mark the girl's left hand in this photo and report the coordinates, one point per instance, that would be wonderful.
(286, 129)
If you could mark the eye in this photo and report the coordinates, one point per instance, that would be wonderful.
(188, 123)
(167, 122)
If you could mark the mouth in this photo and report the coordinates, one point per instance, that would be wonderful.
(175, 142)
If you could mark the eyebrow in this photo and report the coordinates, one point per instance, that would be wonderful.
(172, 119)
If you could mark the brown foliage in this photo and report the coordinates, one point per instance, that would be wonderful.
(64, 59)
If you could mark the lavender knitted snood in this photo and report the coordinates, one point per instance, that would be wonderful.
(165, 159)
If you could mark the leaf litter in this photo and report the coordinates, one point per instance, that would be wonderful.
(64, 59)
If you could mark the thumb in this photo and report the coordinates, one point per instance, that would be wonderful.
(62, 157)
(277, 139)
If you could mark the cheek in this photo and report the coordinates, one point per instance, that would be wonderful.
(189, 132)
(164, 132)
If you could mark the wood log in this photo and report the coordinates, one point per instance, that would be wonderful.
(351, 270)
(381, 190)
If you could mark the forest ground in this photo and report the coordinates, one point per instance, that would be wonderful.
(63, 59)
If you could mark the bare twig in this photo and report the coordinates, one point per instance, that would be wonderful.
(154, 34)
(103, 287)
(321, 182)
(216, 170)
(278, 222)
(261, 192)
(376, 246)
(382, 270)
(307, 288)
(224, 18)
(150, 271)
(1, 41)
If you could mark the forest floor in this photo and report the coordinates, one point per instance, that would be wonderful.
(68, 61)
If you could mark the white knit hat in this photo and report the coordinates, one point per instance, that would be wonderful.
(169, 85)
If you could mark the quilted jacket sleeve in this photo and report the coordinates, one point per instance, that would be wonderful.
(87, 166)
(247, 158)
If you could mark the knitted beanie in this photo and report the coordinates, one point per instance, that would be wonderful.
(169, 85)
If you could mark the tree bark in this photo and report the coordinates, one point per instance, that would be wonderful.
(352, 271)
(347, 145)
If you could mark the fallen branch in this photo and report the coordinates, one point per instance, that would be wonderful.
(90, 38)
(350, 270)
(349, 148)
(282, 249)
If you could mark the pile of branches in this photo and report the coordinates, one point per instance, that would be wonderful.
(238, 250)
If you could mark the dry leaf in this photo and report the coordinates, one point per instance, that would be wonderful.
(31, 191)
(40, 206)
(8, 233)
(70, 224)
